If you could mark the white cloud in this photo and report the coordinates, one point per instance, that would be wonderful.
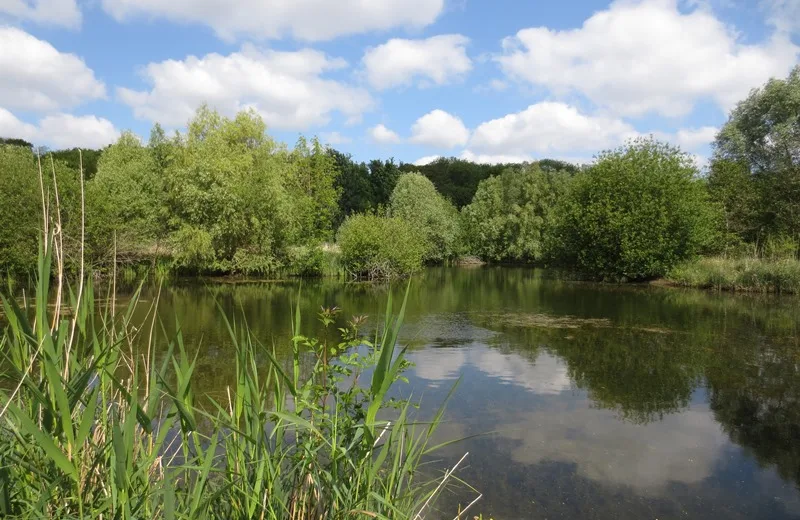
(437, 60)
(422, 161)
(382, 135)
(483, 158)
(334, 138)
(693, 138)
(36, 76)
(682, 447)
(11, 127)
(311, 20)
(642, 56)
(783, 14)
(61, 130)
(439, 129)
(287, 88)
(63, 13)
(548, 128)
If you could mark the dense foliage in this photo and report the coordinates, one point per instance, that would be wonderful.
(511, 214)
(373, 246)
(456, 179)
(637, 212)
(756, 168)
(433, 218)
(224, 197)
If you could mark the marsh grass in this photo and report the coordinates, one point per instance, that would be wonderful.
(94, 425)
(780, 275)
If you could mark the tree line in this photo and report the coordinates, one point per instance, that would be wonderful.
(224, 197)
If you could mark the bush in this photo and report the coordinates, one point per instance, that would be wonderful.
(635, 214)
(511, 214)
(379, 247)
(416, 201)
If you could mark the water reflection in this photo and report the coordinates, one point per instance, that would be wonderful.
(604, 401)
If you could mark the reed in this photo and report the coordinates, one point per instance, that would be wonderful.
(94, 425)
(780, 275)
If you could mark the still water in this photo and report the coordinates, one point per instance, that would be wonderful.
(578, 400)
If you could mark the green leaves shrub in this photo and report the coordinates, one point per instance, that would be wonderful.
(379, 247)
(636, 213)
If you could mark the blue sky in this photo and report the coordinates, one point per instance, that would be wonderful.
(411, 79)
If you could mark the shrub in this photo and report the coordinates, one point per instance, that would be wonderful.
(635, 214)
(379, 247)
(511, 214)
(416, 201)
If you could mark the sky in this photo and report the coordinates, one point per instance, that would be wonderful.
(485, 80)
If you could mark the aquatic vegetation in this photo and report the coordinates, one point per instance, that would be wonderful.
(95, 425)
(739, 274)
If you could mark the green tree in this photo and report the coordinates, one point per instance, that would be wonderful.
(126, 199)
(731, 185)
(354, 185)
(456, 179)
(20, 209)
(512, 213)
(416, 201)
(383, 177)
(379, 247)
(313, 189)
(636, 213)
(763, 134)
(229, 205)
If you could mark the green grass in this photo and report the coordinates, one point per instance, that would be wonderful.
(94, 425)
(739, 274)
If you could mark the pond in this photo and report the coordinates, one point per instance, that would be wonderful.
(577, 400)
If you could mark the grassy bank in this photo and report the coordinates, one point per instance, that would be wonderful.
(739, 274)
(95, 424)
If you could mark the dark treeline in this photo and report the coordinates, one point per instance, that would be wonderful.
(224, 197)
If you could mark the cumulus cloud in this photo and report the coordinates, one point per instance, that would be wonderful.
(422, 161)
(36, 76)
(381, 135)
(311, 20)
(548, 128)
(334, 138)
(486, 158)
(64, 13)
(647, 56)
(287, 88)
(693, 138)
(61, 130)
(682, 447)
(439, 129)
(783, 14)
(433, 61)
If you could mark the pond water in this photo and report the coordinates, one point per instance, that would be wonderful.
(592, 401)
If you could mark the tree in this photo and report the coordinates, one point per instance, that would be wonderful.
(353, 183)
(312, 187)
(20, 209)
(379, 247)
(416, 201)
(383, 176)
(731, 185)
(636, 213)
(125, 199)
(512, 213)
(230, 209)
(763, 134)
(456, 179)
